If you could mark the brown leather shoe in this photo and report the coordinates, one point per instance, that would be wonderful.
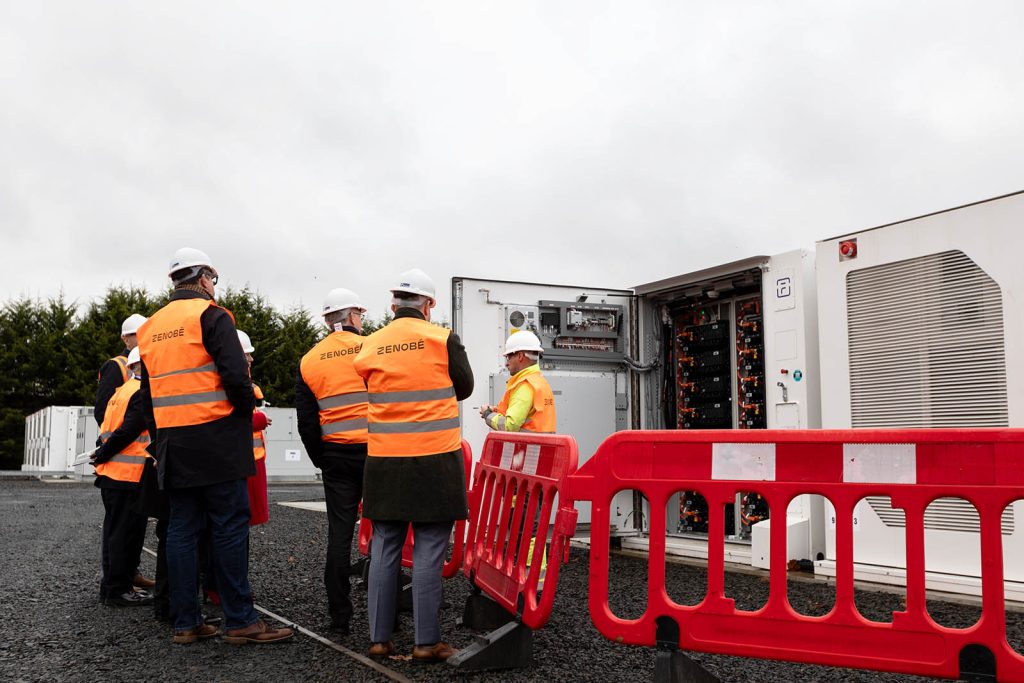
(140, 581)
(201, 632)
(429, 654)
(381, 649)
(256, 633)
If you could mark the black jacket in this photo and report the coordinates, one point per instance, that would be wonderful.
(427, 488)
(212, 452)
(307, 416)
(133, 425)
(110, 380)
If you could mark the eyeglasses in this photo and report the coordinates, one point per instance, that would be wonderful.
(212, 275)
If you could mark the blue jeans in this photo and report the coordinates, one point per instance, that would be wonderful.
(224, 508)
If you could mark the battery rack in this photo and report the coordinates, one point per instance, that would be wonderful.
(750, 392)
(704, 390)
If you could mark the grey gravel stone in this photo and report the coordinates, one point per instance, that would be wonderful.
(54, 629)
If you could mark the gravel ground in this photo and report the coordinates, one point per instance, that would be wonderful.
(53, 628)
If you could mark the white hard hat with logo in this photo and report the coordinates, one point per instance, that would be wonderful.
(246, 343)
(523, 340)
(134, 356)
(339, 299)
(132, 324)
(187, 257)
(415, 281)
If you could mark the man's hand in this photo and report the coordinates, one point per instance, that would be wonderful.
(485, 410)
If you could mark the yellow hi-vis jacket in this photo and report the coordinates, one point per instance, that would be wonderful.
(536, 409)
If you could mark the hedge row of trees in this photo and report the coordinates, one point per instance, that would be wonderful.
(51, 351)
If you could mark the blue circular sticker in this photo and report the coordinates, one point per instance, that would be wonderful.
(797, 375)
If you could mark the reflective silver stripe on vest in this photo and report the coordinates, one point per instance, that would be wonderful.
(339, 400)
(143, 439)
(209, 367)
(188, 399)
(106, 435)
(413, 427)
(343, 426)
(128, 459)
(413, 396)
(257, 443)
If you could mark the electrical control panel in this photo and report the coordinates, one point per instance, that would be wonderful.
(572, 329)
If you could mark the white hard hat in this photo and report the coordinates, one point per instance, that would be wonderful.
(134, 357)
(246, 343)
(415, 281)
(187, 257)
(132, 324)
(523, 340)
(339, 299)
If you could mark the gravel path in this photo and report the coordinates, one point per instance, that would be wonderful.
(54, 629)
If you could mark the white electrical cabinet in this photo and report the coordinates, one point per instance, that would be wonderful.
(728, 347)
(584, 331)
(54, 436)
(920, 326)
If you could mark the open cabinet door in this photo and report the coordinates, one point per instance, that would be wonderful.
(585, 332)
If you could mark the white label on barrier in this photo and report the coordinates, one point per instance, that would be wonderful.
(291, 456)
(743, 461)
(532, 458)
(880, 463)
(506, 455)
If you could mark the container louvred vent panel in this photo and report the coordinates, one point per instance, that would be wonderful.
(926, 344)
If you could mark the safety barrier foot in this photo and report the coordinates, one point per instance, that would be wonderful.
(509, 647)
(404, 592)
(360, 568)
(671, 665)
(483, 614)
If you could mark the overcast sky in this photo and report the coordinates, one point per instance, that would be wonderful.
(311, 145)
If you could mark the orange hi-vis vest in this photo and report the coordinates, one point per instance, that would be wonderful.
(542, 419)
(413, 410)
(126, 465)
(259, 444)
(327, 369)
(183, 379)
(122, 364)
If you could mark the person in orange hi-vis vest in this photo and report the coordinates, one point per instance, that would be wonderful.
(114, 372)
(259, 510)
(415, 375)
(330, 408)
(198, 398)
(528, 405)
(119, 462)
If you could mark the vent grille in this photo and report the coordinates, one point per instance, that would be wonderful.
(926, 344)
(943, 514)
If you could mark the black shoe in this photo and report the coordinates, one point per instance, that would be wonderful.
(129, 599)
(339, 627)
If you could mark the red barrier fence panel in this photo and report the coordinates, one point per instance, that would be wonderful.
(452, 564)
(515, 488)
(913, 467)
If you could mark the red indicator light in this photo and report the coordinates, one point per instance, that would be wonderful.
(848, 248)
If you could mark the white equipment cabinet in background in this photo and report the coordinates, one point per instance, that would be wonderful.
(921, 326)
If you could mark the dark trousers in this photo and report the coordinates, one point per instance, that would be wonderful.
(224, 507)
(343, 488)
(161, 592)
(124, 532)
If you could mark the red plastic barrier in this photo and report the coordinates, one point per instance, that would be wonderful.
(913, 467)
(517, 474)
(454, 563)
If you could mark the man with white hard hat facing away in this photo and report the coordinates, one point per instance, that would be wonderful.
(114, 372)
(199, 402)
(330, 405)
(415, 375)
